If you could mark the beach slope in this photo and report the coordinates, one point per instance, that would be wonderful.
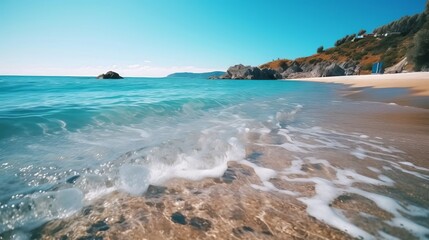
(417, 82)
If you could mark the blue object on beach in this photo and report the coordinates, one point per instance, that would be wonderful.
(377, 68)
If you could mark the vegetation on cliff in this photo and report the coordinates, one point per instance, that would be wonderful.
(408, 36)
(419, 52)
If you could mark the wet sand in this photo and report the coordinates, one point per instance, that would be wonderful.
(243, 204)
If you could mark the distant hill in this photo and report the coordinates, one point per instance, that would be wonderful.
(205, 75)
(389, 44)
(402, 46)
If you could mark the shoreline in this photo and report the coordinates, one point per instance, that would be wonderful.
(417, 82)
(407, 89)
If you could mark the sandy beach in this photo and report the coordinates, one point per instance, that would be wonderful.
(417, 82)
(407, 89)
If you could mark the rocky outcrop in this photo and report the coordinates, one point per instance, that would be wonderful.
(333, 70)
(252, 73)
(293, 70)
(397, 68)
(109, 75)
(319, 69)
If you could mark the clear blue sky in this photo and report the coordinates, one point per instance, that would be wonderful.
(142, 37)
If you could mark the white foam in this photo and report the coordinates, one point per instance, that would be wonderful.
(134, 179)
(185, 171)
(393, 207)
(414, 166)
(359, 153)
(295, 168)
(284, 117)
(264, 174)
(20, 235)
(374, 169)
(293, 147)
(209, 161)
(326, 190)
(98, 192)
(348, 176)
(36, 209)
(416, 174)
(387, 236)
(318, 207)
(386, 179)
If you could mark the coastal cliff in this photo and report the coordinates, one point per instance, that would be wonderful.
(401, 45)
(251, 73)
(292, 69)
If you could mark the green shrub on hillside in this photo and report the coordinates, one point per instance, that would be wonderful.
(405, 25)
(345, 39)
(384, 44)
(420, 52)
(367, 67)
(358, 56)
(315, 60)
(362, 32)
(390, 58)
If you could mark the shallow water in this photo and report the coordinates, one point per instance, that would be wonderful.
(67, 142)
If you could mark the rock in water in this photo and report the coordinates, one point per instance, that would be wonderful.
(98, 226)
(179, 218)
(109, 75)
(200, 223)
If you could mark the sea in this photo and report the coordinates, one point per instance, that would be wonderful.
(353, 167)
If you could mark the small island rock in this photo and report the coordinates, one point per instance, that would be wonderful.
(109, 75)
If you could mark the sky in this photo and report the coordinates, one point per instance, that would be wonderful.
(158, 37)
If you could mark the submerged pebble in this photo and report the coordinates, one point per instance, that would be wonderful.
(179, 218)
(229, 176)
(344, 198)
(73, 179)
(200, 223)
(98, 226)
(155, 191)
(90, 237)
(242, 230)
(86, 210)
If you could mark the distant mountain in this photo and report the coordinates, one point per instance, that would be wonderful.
(205, 75)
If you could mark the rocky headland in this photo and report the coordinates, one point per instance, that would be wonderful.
(401, 46)
(292, 70)
(251, 73)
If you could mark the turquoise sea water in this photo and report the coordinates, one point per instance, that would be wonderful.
(53, 128)
(65, 141)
